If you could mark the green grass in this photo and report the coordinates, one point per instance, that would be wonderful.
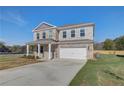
(106, 70)
(5, 58)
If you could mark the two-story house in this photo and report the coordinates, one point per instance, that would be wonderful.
(67, 42)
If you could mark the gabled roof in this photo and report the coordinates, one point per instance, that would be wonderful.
(47, 26)
(75, 25)
(43, 25)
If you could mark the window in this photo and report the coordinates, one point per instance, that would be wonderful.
(64, 34)
(73, 33)
(38, 36)
(44, 35)
(50, 34)
(82, 32)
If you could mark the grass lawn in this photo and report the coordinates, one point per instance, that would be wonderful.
(10, 61)
(106, 70)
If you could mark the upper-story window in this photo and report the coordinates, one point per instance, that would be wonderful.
(50, 34)
(38, 36)
(73, 33)
(44, 35)
(82, 32)
(64, 34)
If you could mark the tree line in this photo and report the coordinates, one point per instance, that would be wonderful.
(109, 44)
(12, 49)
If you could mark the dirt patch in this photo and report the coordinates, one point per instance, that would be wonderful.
(16, 63)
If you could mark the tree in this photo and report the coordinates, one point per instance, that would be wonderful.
(108, 44)
(16, 49)
(119, 43)
(3, 48)
(23, 49)
(98, 46)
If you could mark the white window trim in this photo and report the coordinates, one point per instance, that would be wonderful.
(82, 32)
(44, 35)
(50, 34)
(74, 33)
(65, 34)
(37, 35)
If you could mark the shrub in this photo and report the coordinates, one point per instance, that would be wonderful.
(91, 60)
(30, 57)
(120, 55)
(96, 55)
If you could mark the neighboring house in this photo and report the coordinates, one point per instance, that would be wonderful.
(67, 42)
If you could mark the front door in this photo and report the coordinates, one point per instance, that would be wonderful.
(41, 49)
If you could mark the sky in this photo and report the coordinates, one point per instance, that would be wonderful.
(17, 23)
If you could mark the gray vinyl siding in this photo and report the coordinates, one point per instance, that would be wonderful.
(88, 34)
(47, 34)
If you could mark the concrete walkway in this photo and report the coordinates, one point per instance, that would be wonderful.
(57, 72)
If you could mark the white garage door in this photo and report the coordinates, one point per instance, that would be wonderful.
(73, 53)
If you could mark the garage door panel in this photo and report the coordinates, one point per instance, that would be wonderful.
(73, 53)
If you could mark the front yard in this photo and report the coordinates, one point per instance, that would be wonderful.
(106, 70)
(10, 61)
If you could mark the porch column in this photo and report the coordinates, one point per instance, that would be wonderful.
(38, 49)
(49, 51)
(27, 52)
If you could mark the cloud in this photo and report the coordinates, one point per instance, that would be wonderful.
(13, 17)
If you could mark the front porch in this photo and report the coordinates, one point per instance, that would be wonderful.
(46, 50)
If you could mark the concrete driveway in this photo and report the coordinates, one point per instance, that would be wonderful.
(57, 72)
